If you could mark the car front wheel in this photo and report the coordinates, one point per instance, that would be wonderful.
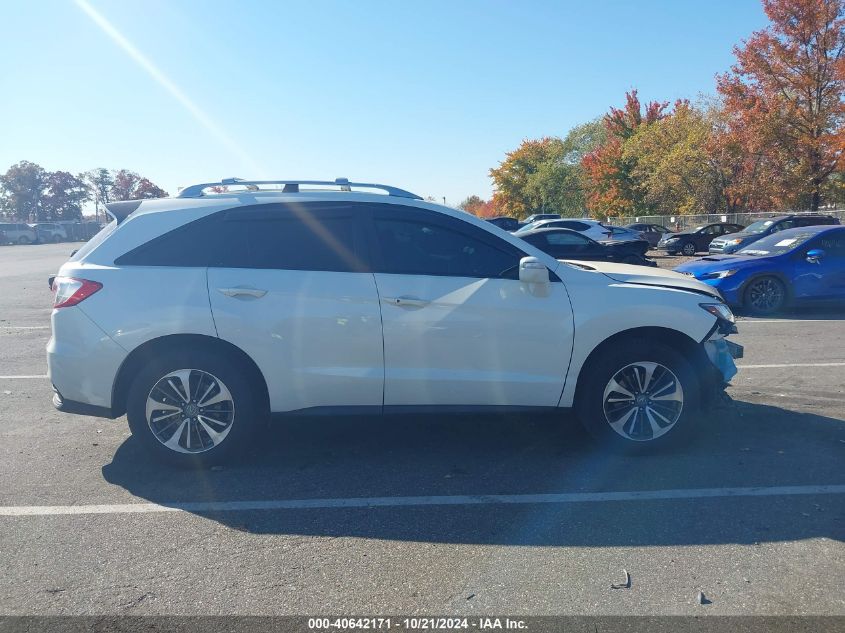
(765, 295)
(192, 408)
(638, 395)
(688, 249)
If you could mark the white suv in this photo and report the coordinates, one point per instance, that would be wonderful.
(201, 315)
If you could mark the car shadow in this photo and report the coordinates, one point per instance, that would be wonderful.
(832, 311)
(744, 445)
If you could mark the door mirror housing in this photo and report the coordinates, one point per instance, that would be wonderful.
(815, 255)
(533, 271)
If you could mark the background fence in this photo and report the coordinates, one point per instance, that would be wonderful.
(683, 222)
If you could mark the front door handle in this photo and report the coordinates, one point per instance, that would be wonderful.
(242, 291)
(406, 302)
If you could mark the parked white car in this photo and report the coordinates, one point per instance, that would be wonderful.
(199, 316)
(593, 229)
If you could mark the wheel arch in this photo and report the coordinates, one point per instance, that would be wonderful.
(147, 351)
(679, 341)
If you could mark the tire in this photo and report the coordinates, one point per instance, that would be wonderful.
(688, 249)
(764, 295)
(219, 435)
(673, 396)
(23, 239)
(632, 259)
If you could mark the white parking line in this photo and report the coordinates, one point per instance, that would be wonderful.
(36, 376)
(785, 365)
(394, 502)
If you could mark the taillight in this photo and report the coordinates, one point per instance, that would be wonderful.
(69, 291)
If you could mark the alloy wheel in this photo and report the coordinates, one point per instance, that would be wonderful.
(643, 401)
(689, 249)
(190, 411)
(766, 295)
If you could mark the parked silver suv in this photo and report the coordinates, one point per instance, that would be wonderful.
(18, 233)
(201, 315)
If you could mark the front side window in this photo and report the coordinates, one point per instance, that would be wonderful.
(421, 247)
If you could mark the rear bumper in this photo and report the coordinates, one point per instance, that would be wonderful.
(82, 362)
(80, 408)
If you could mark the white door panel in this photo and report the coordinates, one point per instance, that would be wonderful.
(469, 341)
(316, 336)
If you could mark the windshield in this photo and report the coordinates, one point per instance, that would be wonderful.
(758, 227)
(776, 244)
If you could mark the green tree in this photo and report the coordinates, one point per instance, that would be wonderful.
(558, 183)
(100, 182)
(672, 168)
(22, 188)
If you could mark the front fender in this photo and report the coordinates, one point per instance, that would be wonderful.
(603, 311)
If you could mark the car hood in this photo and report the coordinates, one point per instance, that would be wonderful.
(645, 276)
(715, 263)
(742, 236)
(669, 236)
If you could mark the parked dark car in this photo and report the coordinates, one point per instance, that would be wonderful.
(764, 228)
(506, 223)
(568, 244)
(540, 216)
(695, 240)
(652, 232)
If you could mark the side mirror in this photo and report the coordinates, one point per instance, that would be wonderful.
(532, 271)
(815, 256)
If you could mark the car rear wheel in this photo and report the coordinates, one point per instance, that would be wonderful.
(765, 295)
(192, 408)
(637, 396)
(688, 249)
(23, 239)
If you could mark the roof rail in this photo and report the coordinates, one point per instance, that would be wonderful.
(292, 186)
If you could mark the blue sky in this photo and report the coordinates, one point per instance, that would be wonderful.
(422, 95)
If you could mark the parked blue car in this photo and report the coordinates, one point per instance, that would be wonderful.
(786, 268)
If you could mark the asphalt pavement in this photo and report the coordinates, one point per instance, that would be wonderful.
(429, 514)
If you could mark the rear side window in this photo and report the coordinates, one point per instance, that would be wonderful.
(194, 244)
(311, 236)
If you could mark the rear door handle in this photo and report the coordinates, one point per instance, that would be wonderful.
(242, 291)
(406, 302)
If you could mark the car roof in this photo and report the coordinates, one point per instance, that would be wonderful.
(812, 229)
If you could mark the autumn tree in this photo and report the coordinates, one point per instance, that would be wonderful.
(611, 185)
(127, 185)
(147, 189)
(471, 203)
(673, 168)
(63, 197)
(21, 190)
(512, 178)
(784, 103)
(546, 175)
